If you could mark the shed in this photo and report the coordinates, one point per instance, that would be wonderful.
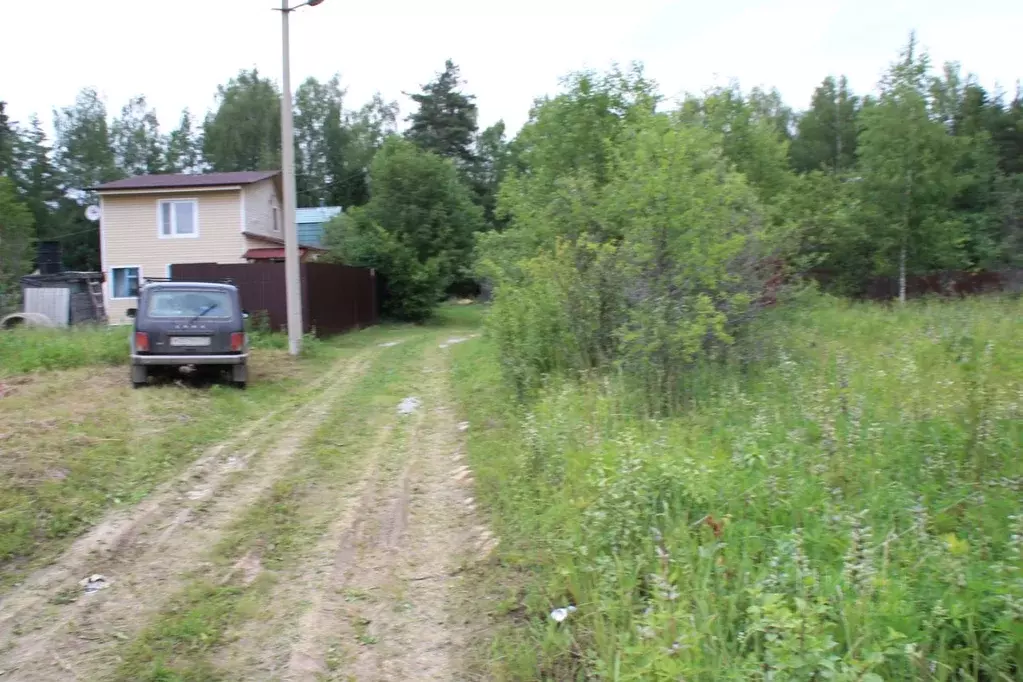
(65, 297)
(311, 221)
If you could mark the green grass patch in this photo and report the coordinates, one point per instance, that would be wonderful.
(847, 507)
(26, 350)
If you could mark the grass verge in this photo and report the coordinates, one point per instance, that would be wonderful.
(847, 509)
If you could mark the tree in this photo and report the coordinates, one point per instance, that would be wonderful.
(184, 146)
(37, 179)
(488, 170)
(416, 229)
(84, 158)
(83, 150)
(445, 122)
(368, 128)
(15, 236)
(8, 137)
(321, 142)
(907, 159)
(139, 148)
(244, 131)
(826, 134)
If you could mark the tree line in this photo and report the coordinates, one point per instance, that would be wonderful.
(920, 175)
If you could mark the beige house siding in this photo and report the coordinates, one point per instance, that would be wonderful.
(130, 237)
(260, 200)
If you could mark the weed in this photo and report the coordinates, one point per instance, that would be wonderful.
(845, 507)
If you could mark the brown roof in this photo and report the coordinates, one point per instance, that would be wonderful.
(173, 180)
(277, 240)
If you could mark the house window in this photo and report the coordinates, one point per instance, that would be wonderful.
(124, 282)
(277, 219)
(179, 219)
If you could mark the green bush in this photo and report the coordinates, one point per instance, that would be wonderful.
(651, 271)
(416, 230)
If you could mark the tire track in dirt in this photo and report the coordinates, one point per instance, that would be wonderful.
(399, 552)
(146, 561)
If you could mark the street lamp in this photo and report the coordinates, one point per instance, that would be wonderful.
(292, 270)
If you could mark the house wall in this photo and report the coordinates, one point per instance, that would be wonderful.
(260, 198)
(130, 237)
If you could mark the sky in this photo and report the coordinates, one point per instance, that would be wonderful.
(176, 52)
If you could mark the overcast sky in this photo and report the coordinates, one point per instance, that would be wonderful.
(177, 51)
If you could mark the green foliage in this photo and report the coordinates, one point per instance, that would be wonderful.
(136, 140)
(416, 229)
(647, 258)
(845, 508)
(445, 122)
(184, 148)
(907, 158)
(243, 132)
(826, 134)
(15, 237)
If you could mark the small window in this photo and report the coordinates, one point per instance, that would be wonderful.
(277, 220)
(179, 218)
(124, 282)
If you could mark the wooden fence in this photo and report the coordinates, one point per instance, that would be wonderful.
(335, 298)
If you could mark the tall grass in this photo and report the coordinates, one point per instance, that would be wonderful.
(33, 349)
(848, 508)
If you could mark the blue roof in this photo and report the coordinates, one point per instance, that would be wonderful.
(316, 214)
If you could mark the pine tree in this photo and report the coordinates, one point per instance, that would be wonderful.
(184, 148)
(445, 122)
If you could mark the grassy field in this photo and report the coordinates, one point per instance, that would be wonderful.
(848, 508)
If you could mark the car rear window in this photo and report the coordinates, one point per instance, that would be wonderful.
(186, 303)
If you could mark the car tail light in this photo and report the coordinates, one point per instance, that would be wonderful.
(237, 341)
(142, 342)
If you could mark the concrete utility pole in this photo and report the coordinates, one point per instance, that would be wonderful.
(292, 270)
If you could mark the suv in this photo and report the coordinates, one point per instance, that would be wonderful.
(188, 324)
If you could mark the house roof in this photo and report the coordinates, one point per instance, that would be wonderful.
(176, 180)
(278, 241)
(316, 214)
(266, 254)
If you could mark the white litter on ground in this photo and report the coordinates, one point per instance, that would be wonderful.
(452, 341)
(389, 344)
(94, 583)
(409, 405)
(561, 614)
(463, 426)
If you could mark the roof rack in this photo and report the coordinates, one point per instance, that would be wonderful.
(212, 280)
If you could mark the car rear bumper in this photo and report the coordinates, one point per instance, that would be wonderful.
(240, 359)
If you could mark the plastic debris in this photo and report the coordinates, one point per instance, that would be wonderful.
(452, 341)
(94, 583)
(463, 426)
(409, 405)
(561, 614)
(389, 344)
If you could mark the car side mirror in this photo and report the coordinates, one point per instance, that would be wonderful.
(131, 312)
(245, 314)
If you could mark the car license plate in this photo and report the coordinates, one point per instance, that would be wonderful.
(190, 341)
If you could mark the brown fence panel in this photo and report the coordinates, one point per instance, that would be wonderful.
(339, 297)
(335, 298)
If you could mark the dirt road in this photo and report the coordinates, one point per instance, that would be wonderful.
(322, 541)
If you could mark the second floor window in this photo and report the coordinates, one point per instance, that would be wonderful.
(179, 218)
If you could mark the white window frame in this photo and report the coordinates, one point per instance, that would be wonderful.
(173, 235)
(275, 216)
(113, 291)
